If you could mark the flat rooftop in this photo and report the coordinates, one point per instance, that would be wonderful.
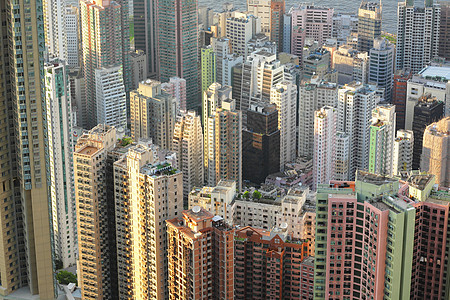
(419, 181)
(88, 150)
(373, 178)
(440, 73)
(201, 215)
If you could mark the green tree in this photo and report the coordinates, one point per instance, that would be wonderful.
(257, 195)
(58, 264)
(66, 277)
(246, 195)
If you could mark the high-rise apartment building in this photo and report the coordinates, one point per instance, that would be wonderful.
(355, 105)
(260, 143)
(178, 45)
(317, 63)
(436, 151)
(403, 153)
(176, 87)
(93, 198)
(212, 100)
(369, 25)
(277, 9)
(399, 93)
(240, 29)
(153, 114)
(381, 66)
(145, 16)
(417, 35)
(103, 45)
(382, 135)
(342, 161)
(59, 127)
(253, 79)
(110, 96)
(351, 65)
(284, 96)
(55, 28)
(188, 146)
(27, 248)
(444, 30)
(344, 25)
(261, 10)
(309, 21)
(262, 263)
(426, 111)
(150, 192)
(363, 240)
(324, 145)
(208, 274)
(73, 36)
(223, 139)
(138, 68)
(208, 67)
(313, 95)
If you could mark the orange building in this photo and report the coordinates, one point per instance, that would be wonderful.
(200, 256)
(267, 264)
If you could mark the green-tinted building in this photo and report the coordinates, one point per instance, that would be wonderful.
(208, 69)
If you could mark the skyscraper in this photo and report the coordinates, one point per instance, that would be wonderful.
(176, 87)
(73, 36)
(324, 145)
(223, 139)
(313, 95)
(403, 153)
(382, 135)
(369, 24)
(150, 192)
(103, 45)
(110, 96)
(260, 143)
(436, 151)
(145, 16)
(381, 66)
(27, 214)
(94, 199)
(284, 96)
(55, 28)
(444, 30)
(178, 45)
(355, 104)
(417, 34)
(239, 30)
(153, 114)
(212, 240)
(277, 9)
(188, 145)
(426, 111)
(59, 127)
(208, 67)
(399, 93)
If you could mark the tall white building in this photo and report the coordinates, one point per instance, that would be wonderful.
(73, 36)
(176, 87)
(313, 95)
(55, 28)
(262, 10)
(284, 96)
(59, 128)
(382, 135)
(188, 146)
(343, 26)
(111, 98)
(240, 29)
(342, 160)
(417, 34)
(381, 66)
(324, 145)
(355, 104)
(403, 153)
(225, 60)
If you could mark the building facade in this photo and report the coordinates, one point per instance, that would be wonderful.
(369, 25)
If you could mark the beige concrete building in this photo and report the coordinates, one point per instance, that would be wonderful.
(90, 163)
(188, 146)
(224, 144)
(436, 151)
(153, 114)
(148, 192)
(403, 153)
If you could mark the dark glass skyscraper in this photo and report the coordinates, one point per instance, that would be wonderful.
(260, 143)
(427, 111)
(178, 45)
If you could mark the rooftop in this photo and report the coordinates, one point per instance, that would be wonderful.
(88, 150)
(436, 73)
(198, 214)
(373, 178)
(420, 181)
